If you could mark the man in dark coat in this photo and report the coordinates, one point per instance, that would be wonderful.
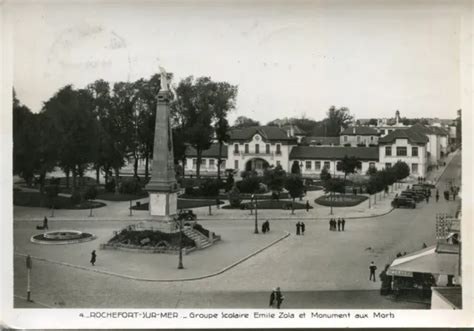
(93, 257)
(264, 227)
(267, 226)
(338, 224)
(276, 297)
(330, 224)
(298, 226)
(45, 223)
(437, 195)
(307, 206)
(303, 226)
(343, 223)
(372, 269)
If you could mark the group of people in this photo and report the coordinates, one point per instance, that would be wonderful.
(276, 298)
(300, 227)
(266, 226)
(454, 191)
(337, 225)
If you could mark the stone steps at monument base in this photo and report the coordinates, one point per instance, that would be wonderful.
(200, 240)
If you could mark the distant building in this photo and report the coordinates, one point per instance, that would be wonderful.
(359, 136)
(408, 146)
(320, 141)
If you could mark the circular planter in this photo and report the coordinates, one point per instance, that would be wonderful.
(62, 237)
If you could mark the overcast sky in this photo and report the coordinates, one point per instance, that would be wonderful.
(288, 58)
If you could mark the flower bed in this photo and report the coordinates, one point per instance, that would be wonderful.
(36, 199)
(348, 200)
(271, 204)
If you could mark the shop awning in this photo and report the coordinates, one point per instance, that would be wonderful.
(425, 261)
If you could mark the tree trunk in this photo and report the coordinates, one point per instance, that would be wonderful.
(41, 180)
(219, 160)
(74, 183)
(116, 181)
(68, 174)
(198, 165)
(146, 167)
(97, 175)
(135, 166)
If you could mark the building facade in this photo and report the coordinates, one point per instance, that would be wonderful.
(359, 136)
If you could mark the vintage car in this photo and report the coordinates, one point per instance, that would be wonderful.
(403, 201)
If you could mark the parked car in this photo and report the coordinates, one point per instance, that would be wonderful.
(421, 195)
(186, 215)
(425, 185)
(403, 202)
(412, 195)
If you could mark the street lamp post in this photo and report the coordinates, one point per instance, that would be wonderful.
(180, 263)
(256, 213)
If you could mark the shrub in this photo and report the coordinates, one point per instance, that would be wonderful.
(189, 190)
(130, 186)
(76, 198)
(325, 175)
(210, 187)
(347, 145)
(249, 184)
(229, 182)
(110, 185)
(234, 197)
(90, 193)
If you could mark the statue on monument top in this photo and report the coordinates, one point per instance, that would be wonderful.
(164, 79)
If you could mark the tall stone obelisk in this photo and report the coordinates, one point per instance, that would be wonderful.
(163, 188)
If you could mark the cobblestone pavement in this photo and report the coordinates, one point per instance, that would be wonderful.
(319, 261)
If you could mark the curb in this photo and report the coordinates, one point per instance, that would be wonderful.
(162, 280)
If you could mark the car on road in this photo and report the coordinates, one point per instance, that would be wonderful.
(403, 202)
(421, 195)
(412, 195)
(186, 215)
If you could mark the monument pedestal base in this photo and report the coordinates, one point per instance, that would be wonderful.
(162, 209)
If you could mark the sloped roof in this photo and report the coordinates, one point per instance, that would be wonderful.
(312, 140)
(439, 131)
(267, 132)
(359, 131)
(411, 134)
(213, 151)
(422, 129)
(334, 153)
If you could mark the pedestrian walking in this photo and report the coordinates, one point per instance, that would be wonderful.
(264, 227)
(93, 257)
(298, 228)
(45, 223)
(276, 298)
(338, 224)
(343, 223)
(303, 226)
(267, 226)
(437, 196)
(330, 224)
(307, 205)
(372, 268)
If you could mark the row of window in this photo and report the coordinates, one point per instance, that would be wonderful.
(401, 151)
(212, 163)
(257, 148)
(359, 138)
(327, 164)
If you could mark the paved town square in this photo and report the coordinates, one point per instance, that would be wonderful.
(264, 157)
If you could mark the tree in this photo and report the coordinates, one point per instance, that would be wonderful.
(373, 121)
(334, 185)
(348, 165)
(234, 197)
(337, 118)
(274, 178)
(371, 171)
(25, 141)
(224, 101)
(244, 122)
(73, 129)
(325, 175)
(295, 187)
(295, 168)
(401, 170)
(194, 105)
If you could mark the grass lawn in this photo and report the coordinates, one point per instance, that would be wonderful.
(271, 204)
(35, 199)
(347, 200)
(183, 204)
